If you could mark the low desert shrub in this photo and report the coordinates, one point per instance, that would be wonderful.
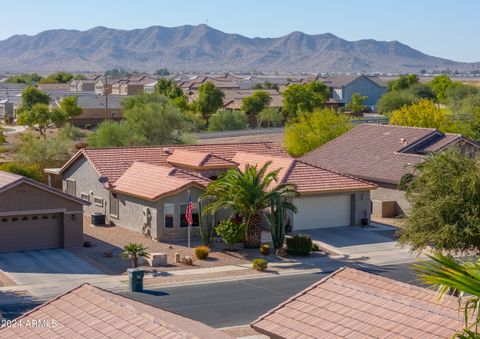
(260, 264)
(27, 170)
(230, 231)
(227, 120)
(202, 252)
(299, 244)
(265, 250)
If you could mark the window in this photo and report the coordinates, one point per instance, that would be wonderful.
(71, 187)
(85, 196)
(113, 205)
(98, 201)
(168, 211)
(183, 210)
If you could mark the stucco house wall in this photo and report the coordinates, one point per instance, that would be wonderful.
(366, 87)
(389, 193)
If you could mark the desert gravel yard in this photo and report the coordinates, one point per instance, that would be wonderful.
(110, 240)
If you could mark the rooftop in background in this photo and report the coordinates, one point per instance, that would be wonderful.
(352, 303)
(88, 312)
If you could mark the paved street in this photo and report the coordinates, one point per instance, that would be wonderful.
(227, 304)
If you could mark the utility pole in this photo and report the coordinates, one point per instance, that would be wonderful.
(105, 91)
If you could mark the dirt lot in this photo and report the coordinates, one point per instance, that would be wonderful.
(107, 244)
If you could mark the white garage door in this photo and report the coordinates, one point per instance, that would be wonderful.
(321, 211)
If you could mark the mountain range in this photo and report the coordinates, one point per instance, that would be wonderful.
(202, 48)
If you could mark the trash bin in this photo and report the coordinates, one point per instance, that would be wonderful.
(98, 219)
(135, 279)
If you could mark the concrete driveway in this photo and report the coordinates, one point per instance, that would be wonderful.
(374, 245)
(45, 266)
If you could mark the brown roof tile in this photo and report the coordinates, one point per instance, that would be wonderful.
(140, 321)
(354, 304)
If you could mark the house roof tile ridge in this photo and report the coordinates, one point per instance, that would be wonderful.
(303, 292)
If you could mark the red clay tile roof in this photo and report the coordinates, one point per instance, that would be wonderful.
(198, 160)
(113, 162)
(153, 182)
(379, 153)
(91, 312)
(355, 304)
(309, 179)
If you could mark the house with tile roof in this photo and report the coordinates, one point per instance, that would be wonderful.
(146, 188)
(383, 154)
(36, 216)
(350, 303)
(91, 312)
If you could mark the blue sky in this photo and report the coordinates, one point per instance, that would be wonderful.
(442, 28)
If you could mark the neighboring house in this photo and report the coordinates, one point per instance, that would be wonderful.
(383, 154)
(93, 109)
(85, 85)
(35, 216)
(146, 188)
(91, 312)
(350, 303)
(234, 98)
(132, 85)
(150, 87)
(226, 82)
(54, 87)
(100, 87)
(344, 86)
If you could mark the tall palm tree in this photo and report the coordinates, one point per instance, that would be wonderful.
(460, 278)
(249, 193)
(134, 251)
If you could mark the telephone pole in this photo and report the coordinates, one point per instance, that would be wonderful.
(105, 91)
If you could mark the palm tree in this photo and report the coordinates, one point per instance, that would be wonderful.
(134, 251)
(249, 194)
(460, 278)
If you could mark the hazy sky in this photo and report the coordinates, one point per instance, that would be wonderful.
(448, 29)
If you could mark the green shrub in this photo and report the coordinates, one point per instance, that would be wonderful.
(2, 137)
(260, 264)
(265, 250)
(29, 171)
(315, 247)
(299, 244)
(70, 132)
(227, 120)
(270, 116)
(202, 252)
(231, 232)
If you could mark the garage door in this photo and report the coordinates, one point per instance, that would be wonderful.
(31, 232)
(317, 212)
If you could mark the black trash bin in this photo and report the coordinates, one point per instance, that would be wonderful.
(98, 219)
(135, 279)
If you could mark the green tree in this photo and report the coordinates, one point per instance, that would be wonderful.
(27, 170)
(162, 72)
(113, 134)
(440, 85)
(270, 116)
(423, 114)
(422, 91)
(249, 193)
(58, 77)
(444, 196)
(69, 107)
(168, 88)
(134, 252)
(255, 103)
(403, 82)
(461, 278)
(356, 103)
(313, 130)
(304, 98)
(40, 115)
(29, 79)
(210, 99)
(31, 96)
(394, 100)
(227, 120)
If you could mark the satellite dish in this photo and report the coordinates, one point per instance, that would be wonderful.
(103, 179)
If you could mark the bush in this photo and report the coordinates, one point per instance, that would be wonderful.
(201, 252)
(2, 137)
(260, 264)
(70, 132)
(299, 244)
(265, 250)
(231, 232)
(29, 171)
(315, 247)
(227, 120)
(270, 116)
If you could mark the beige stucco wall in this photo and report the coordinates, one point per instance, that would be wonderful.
(389, 194)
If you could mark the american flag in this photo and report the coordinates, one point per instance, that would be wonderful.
(189, 212)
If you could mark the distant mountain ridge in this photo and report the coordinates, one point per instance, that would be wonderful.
(202, 48)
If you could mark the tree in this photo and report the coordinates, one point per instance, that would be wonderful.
(271, 116)
(403, 82)
(227, 120)
(299, 98)
(168, 88)
(162, 72)
(461, 278)
(394, 100)
(356, 103)
(31, 96)
(444, 196)
(40, 115)
(27, 170)
(113, 134)
(29, 79)
(210, 99)
(313, 130)
(255, 103)
(422, 91)
(249, 193)
(423, 114)
(134, 251)
(440, 85)
(58, 77)
(69, 107)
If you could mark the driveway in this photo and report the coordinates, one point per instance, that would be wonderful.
(374, 245)
(45, 266)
